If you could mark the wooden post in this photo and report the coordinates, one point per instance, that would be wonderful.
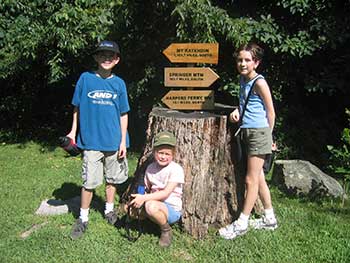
(190, 76)
(213, 190)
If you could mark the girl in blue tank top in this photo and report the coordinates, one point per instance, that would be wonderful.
(256, 128)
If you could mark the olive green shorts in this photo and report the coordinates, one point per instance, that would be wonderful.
(258, 141)
(98, 165)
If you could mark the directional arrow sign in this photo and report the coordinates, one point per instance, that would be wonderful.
(189, 99)
(192, 53)
(189, 77)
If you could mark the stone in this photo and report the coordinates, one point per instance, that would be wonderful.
(52, 207)
(58, 207)
(302, 178)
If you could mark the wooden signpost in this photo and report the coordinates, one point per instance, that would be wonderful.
(190, 77)
(189, 99)
(193, 53)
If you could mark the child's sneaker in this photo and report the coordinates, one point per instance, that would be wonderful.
(264, 223)
(78, 229)
(111, 218)
(232, 231)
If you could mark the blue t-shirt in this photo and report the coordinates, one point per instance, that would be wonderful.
(255, 113)
(101, 102)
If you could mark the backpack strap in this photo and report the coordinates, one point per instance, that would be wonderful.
(247, 100)
(128, 222)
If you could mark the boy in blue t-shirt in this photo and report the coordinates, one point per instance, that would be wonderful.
(101, 110)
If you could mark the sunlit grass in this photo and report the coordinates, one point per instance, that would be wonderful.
(30, 173)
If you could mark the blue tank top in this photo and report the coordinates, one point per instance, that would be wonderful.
(101, 102)
(255, 113)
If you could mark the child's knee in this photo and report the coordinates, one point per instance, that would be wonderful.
(252, 180)
(151, 207)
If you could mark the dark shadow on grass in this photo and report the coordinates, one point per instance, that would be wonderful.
(70, 194)
(145, 226)
(67, 191)
(134, 227)
(339, 211)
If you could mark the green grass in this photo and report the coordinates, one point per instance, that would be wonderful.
(30, 173)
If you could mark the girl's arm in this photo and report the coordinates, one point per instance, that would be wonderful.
(263, 90)
(234, 116)
(161, 195)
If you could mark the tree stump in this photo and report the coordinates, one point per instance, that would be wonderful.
(214, 187)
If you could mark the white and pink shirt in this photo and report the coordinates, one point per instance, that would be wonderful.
(157, 177)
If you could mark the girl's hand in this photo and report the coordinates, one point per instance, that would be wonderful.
(274, 146)
(234, 116)
(138, 200)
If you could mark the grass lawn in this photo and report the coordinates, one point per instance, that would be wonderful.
(31, 173)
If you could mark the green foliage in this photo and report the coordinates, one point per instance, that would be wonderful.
(301, 7)
(289, 28)
(201, 21)
(51, 31)
(340, 156)
(45, 45)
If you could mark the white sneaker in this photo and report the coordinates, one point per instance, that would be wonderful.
(263, 223)
(232, 231)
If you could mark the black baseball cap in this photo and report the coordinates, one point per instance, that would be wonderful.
(107, 45)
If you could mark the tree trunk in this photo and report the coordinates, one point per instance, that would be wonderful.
(214, 186)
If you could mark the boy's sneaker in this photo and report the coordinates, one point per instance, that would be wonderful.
(78, 229)
(232, 231)
(264, 223)
(111, 218)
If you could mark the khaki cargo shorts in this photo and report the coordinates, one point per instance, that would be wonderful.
(98, 165)
(258, 141)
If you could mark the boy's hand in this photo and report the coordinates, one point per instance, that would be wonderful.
(122, 151)
(234, 116)
(72, 136)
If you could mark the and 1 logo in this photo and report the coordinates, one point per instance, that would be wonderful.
(102, 97)
(101, 94)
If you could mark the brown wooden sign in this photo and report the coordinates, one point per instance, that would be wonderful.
(189, 99)
(189, 77)
(192, 53)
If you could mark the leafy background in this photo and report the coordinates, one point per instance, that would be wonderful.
(45, 45)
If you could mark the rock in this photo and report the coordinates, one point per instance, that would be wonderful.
(59, 207)
(301, 178)
(52, 207)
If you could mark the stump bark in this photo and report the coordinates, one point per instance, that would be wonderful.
(214, 185)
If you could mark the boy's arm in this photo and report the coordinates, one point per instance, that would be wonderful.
(123, 127)
(73, 132)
